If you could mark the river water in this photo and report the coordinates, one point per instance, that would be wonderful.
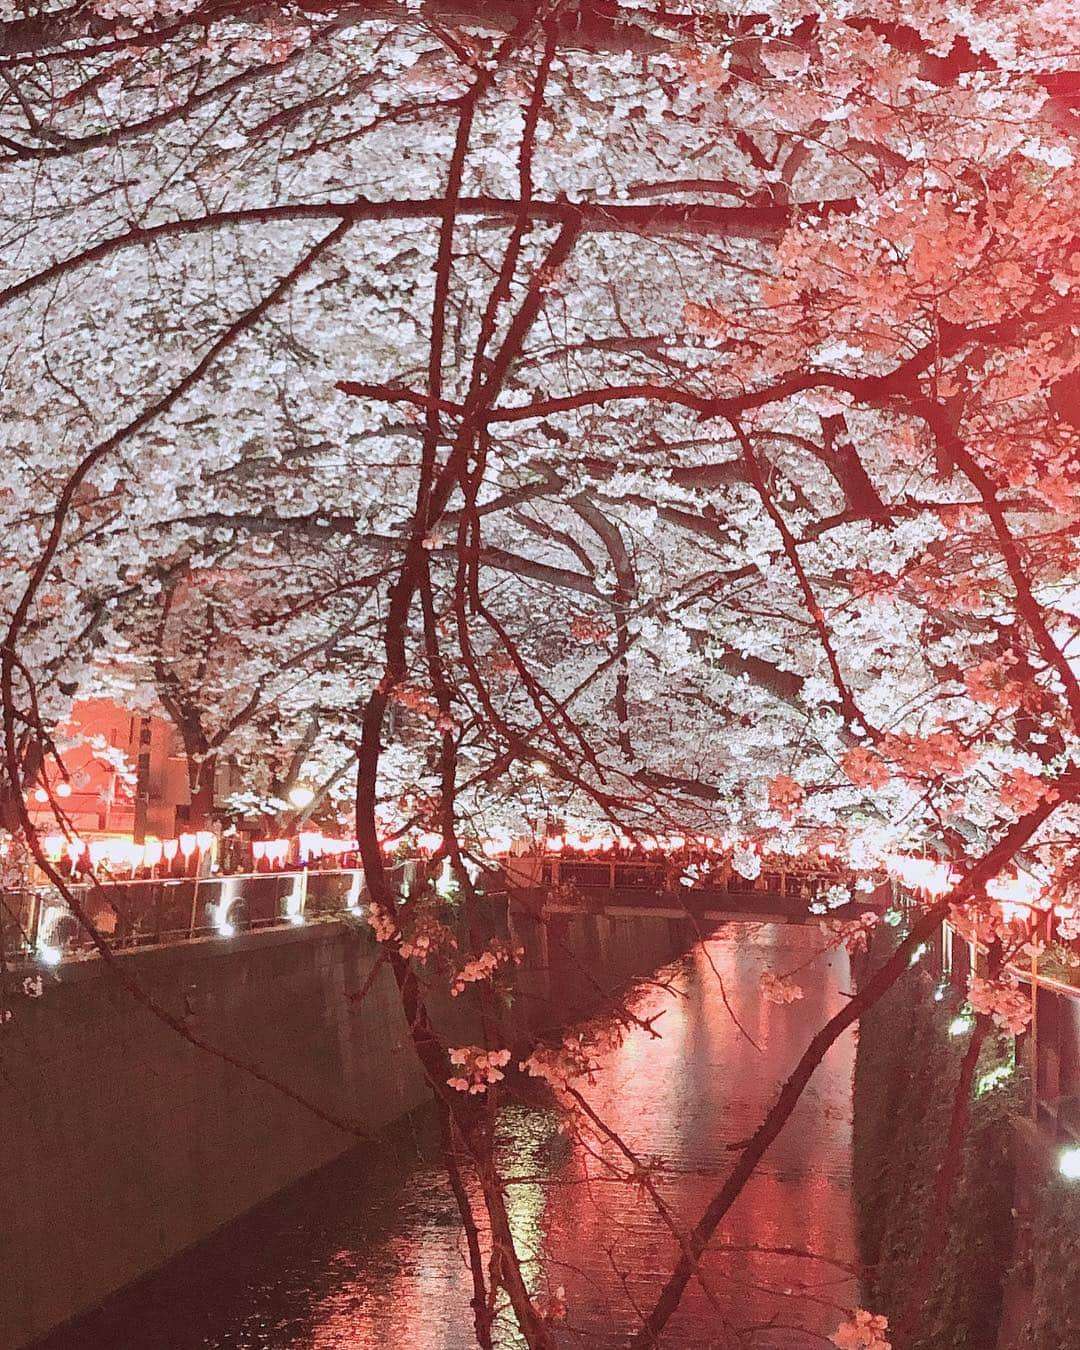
(369, 1252)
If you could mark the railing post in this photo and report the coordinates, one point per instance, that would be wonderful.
(1033, 1034)
(33, 926)
(297, 898)
(194, 912)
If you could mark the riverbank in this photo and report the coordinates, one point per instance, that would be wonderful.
(163, 1143)
(369, 1252)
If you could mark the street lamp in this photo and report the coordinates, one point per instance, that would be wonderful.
(301, 796)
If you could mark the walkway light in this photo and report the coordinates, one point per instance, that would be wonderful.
(301, 796)
(960, 1026)
(1069, 1163)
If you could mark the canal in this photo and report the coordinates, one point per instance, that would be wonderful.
(369, 1252)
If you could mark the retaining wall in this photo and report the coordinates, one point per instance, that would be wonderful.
(122, 1143)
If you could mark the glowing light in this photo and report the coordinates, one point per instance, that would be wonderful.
(220, 911)
(301, 796)
(960, 1026)
(170, 848)
(45, 950)
(294, 904)
(311, 844)
(63, 789)
(992, 1079)
(152, 852)
(53, 846)
(40, 795)
(277, 852)
(921, 874)
(1069, 1163)
(540, 768)
(446, 884)
(205, 840)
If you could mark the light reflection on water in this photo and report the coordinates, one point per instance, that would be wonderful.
(369, 1253)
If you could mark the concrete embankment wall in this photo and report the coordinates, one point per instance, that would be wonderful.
(122, 1144)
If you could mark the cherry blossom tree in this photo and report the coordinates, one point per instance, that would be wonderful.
(682, 399)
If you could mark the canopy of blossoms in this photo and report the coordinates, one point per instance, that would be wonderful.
(592, 414)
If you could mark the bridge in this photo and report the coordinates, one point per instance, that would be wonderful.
(39, 927)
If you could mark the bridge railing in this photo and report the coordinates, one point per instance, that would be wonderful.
(657, 877)
(39, 926)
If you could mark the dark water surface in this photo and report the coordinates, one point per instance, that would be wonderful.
(369, 1253)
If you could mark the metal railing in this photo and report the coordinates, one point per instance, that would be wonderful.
(661, 877)
(1051, 1043)
(37, 925)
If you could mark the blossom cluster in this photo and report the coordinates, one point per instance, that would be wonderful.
(854, 934)
(780, 988)
(1003, 1000)
(480, 1068)
(498, 953)
(862, 1331)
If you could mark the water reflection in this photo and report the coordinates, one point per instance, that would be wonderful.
(369, 1253)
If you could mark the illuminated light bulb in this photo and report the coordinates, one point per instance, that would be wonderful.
(40, 795)
(188, 844)
(960, 1026)
(1069, 1163)
(49, 956)
(205, 840)
(63, 789)
(301, 795)
(170, 848)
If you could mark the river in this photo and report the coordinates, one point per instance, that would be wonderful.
(369, 1252)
